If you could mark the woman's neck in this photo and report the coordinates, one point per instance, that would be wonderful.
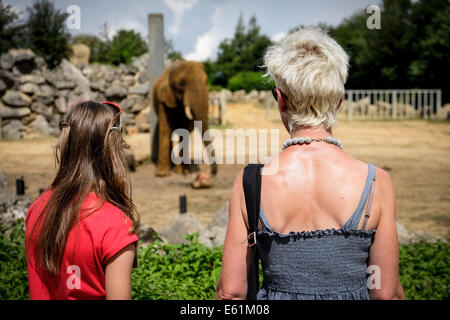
(313, 132)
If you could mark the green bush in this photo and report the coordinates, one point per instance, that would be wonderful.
(190, 271)
(186, 271)
(425, 270)
(249, 80)
(13, 263)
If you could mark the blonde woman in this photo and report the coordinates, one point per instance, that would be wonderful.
(323, 222)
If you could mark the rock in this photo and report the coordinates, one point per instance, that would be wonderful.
(97, 85)
(444, 112)
(143, 77)
(218, 225)
(146, 234)
(29, 88)
(80, 55)
(45, 94)
(219, 234)
(238, 96)
(13, 113)
(252, 96)
(141, 89)
(32, 78)
(23, 60)
(38, 127)
(40, 108)
(6, 61)
(65, 84)
(9, 80)
(61, 104)
(115, 93)
(220, 218)
(186, 224)
(16, 99)
(13, 130)
(72, 73)
(262, 96)
(404, 236)
(2, 87)
(5, 192)
(128, 119)
(142, 120)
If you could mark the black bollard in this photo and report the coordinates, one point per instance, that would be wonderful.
(41, 190)
(20, 187)
(183, 204)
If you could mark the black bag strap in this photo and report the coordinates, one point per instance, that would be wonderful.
(252, 190)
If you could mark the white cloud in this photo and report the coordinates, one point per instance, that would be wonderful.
(278, 36)
(207, 43)
(178, 7)
(127, 25)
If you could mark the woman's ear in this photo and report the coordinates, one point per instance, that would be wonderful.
(282, 101)
(340, 101)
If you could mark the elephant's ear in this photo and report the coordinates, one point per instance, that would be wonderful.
(166, 95)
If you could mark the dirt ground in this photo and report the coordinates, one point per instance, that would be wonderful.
(416, 154)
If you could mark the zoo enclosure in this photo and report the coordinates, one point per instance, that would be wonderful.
(360, 104)
(391, 103)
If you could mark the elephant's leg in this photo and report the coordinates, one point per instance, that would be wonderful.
(165, 144)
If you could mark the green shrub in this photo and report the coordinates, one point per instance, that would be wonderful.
(185, 271)
(425, 270)
(249, 80)
(190, 271)
(13, 263)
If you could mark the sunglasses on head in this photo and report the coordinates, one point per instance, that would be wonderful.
(120, 112)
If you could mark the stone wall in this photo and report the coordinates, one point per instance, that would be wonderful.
(33, 98)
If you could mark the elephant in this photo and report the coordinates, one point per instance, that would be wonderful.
(180, 97)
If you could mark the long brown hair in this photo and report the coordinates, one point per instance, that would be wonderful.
(91, 159)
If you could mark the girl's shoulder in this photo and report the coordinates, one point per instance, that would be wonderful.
(103, 213)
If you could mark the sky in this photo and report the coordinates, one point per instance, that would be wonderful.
(196, 27)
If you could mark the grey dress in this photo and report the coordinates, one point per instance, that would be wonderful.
(321, 264)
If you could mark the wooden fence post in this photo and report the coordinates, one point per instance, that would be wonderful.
(223, 108)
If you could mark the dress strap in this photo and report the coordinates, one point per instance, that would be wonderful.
(353, 222)
(369, 204)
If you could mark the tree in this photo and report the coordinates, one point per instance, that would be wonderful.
(46, 32)
(170, 52)
(243, 52)
(10, 32)
(126, 44)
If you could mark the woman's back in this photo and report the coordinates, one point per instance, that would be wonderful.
(313, 250)
(315, 187)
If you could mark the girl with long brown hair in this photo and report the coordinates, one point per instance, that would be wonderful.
(80, 239)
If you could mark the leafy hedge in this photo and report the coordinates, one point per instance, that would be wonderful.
(190, 271)
(248, 81)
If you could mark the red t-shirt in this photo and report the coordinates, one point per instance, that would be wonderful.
(90, 244)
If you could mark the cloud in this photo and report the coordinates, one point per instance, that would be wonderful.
(178, 7)
(126, 25)
(278, 36)
(206, 44)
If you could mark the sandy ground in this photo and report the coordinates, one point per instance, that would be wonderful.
(416, 154)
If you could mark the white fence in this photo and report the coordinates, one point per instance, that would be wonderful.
(382, 104)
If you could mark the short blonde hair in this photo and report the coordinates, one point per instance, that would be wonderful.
(310, 68)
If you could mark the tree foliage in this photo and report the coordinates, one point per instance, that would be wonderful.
(411, 50)
(10, 31)
(241, 53)
(46, 32)
(126, 44)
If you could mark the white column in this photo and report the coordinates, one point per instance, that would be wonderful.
(155, 63)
